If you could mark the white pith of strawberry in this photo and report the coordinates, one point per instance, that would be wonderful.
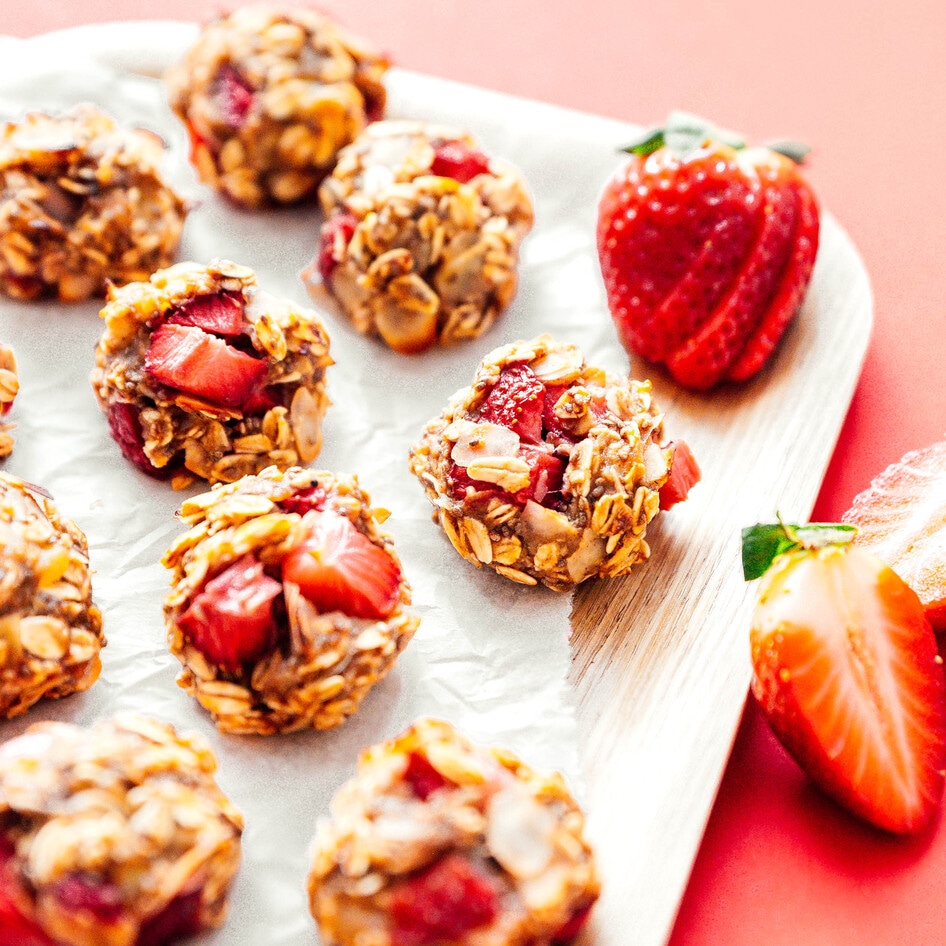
(847, 672)
(338, 568)
(231, 621)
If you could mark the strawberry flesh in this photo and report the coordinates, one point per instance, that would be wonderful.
(231, 621)
(305, 500)
(423, 778)
(338, 568)
(900, 519)
(516, 401)
(178, 920)
(233, 97)
(847, 672)
(81, 892)
(15, 928)
(189, 359)
(685, 473)
(442, 903)
(459, 161)
(572, 927)
(335, 235)
(125, 427)
(219, 313)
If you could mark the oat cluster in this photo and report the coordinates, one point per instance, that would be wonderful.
(327, 663)
(82, 202)
(269, 97)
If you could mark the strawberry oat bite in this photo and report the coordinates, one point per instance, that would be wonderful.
(286, 602)
(203, 374)
(421, 245)
(82, 202)
(269, 96)
(548, 469)
(437, 842)
(115, 835)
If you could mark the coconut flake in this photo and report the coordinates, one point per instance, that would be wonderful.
(519, 832)
(479, 441)
(655, 463)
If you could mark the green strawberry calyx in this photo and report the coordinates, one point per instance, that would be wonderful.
(685, 132)
(763, 543)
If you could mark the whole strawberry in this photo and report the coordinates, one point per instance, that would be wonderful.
(706, 249)
(847, 672)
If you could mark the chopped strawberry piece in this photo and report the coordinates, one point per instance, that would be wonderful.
(305, 500)
(459, 482)
(82, 892)
(459, 161)
(516, 401)
(231, 620)
(571, 928)
(334, 237)
(178, 920)
(125, 428)
(15, 928)
(685, 473)
(187, 358)
(847, 672)
(219, 313)
(233, 96)
(423, 778)
(260, 401)
(338, 568)
(442, 903)
(900, 519)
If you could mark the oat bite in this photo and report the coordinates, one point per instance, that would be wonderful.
(115, 835)
(437, 842)
(82, 202)
(50, 631)
(203, 374)
(269, 95)
(287, 601)
(421, 244)
(548, 469)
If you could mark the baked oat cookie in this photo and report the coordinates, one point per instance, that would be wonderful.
(548, 469)
(437, 842)
(203, 374)
(287, 601)
(50, 631)
(116, 835)
(9, 388)
(269, 95)
(421, 244)
(82, 202)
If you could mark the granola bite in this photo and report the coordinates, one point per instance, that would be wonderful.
(548, 469)
(82, 203)
(269, 95)
(421, 244)
(9, 388)
(437, 842)
(287, 601)
(116, 835)
(50, 631)
(203, 374)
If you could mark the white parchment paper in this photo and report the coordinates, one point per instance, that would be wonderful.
(490, 656)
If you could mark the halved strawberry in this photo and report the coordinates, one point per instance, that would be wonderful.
(442, 903)
(338, 568)
(459, 161)
(189, 359)
(516, 401)
(901, 517)
(231, 620)
(219, 313)
(685, 473)
(847, 672)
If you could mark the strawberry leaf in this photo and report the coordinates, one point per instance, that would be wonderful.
(795, 151)
(763, 543)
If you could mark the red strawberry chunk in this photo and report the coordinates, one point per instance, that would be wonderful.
(233, 96)
(231, 620)
(187, 358)
(338, 568)
(305, 500)
(178, 920)
(459, 161)
(81, 892)
(15, 928)
(546, 475)
(848, 675)
(334, 237)
(423, 778)
(125, 428)
(516, 401)
(685, 473)
(442, 903)
(571, 928)
(219, 313)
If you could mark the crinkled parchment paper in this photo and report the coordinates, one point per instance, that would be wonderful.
(490, 656)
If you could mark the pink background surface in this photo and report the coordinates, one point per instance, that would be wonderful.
(865, 84)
